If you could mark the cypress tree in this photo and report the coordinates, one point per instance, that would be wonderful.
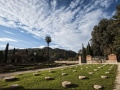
(83, 54)
(1, 56)
(6, 52)
(14, 51)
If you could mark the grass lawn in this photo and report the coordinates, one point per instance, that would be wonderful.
(29, 81)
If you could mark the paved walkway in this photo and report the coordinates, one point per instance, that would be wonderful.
(2, 75)
(117, 80)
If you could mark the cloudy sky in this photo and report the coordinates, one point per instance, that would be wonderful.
(25, 23)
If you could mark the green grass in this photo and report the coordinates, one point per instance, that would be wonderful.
(28, 81)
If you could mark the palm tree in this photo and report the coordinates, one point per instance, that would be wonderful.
(48, 40)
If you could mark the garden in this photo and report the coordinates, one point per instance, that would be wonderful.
(74, 77)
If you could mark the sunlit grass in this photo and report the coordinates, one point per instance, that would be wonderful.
(28, 81)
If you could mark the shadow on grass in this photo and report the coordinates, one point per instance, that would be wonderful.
(16, 88)
(21, 88)
(73, 86)
(11, 80)
(50, 79)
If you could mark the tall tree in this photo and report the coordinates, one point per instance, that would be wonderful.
(100, 38)
(6, 52)
(48, 40)
(1, 56)
(26, 51)
(106, 36)
(116, 18)
(14, 51)
(83, 54)
(88, 50)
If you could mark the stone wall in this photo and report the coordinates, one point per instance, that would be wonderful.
(88, 57)
(112, 60)
(69, 62)
(112, 57)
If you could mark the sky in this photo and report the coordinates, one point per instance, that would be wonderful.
(26, 23)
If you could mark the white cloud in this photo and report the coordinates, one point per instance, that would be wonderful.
(7, 40)
(68, 27)
(2, 47)
(9, 32)
(22, 31)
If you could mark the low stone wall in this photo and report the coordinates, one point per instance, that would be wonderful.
(111, 61)
(67, 62)
(90, 62)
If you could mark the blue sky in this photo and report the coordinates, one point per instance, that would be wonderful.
(25, 23)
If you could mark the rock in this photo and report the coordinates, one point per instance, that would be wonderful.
(66, 84)
(90, 72)
(82, 77)
(71, 67)
(63, 74)
(19, 74)
(38, 71)
(62, 68)
(99, 67)
(47, 78)
(82, 69)
(95, 69)
(14, 86)
(35, 74)
(107, 72)
(74, 71)
(51, 71)
(97, 86)
(11, 78)
(103, 76)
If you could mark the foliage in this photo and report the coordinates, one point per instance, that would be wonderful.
(14, 51)
(83, 54)
(6, 52)
(106, 36)
(1, 56)
(48, 40)
(41, 55)
(89, 50)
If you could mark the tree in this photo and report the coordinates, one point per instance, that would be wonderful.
(26, 51)
(88, 50)
(106, 36)
(48, 40)
(1, 56)
(102, 37)
(14, 51)
(83, 54)
(6, 52)
(116, 19)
